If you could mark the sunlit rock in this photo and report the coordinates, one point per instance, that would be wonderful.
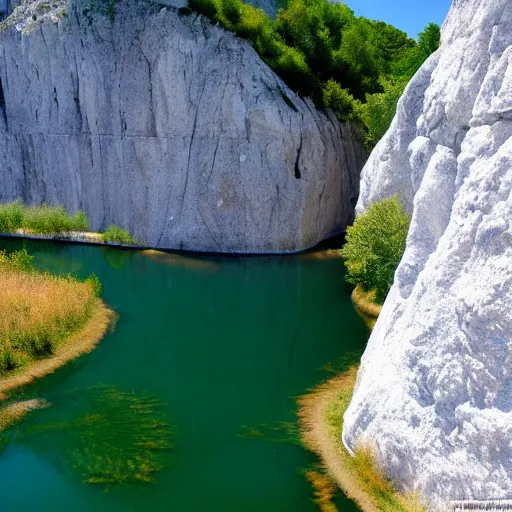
(169, 127)
(434, 392)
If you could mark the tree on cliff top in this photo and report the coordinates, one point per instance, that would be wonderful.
(322, 50)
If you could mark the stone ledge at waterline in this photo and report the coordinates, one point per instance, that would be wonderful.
(171, 128)
(434, 392)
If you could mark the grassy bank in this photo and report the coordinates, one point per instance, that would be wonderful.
(364, 304)
(45, 320)
(321, 422)
(16, 218)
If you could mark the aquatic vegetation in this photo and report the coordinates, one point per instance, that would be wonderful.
(282, 432)
(340, 365)
(321, 255)
(38, 311)
(324, 488)
(125, 438)
(13, 412)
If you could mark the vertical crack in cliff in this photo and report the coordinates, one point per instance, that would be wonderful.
(76, 98)
(2, 103)
(297, 170)
(152, 127)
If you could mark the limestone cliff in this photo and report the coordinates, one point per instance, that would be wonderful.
(434, 392)
(169, 127)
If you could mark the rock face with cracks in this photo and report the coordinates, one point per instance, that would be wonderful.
(169, 127)
(434, 392)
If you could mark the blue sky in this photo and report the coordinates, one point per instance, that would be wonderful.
(410, 16)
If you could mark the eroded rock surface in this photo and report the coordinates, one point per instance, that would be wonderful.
(169, 127)
(434, 392)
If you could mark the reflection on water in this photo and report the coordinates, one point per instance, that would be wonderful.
(123, 438)
(178, 261)
(116, 258)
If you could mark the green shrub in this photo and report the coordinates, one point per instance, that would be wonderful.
(374, 246)
(338, 99)
(22, 260)
(80, 222)
(115, 234)
(11, 217)
(293, 68)
(95, 284)
(206, 7)
(49, 220)
(232, 11)
(256, 26)
(380, 108)
(11, 360)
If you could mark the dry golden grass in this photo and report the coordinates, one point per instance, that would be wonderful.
(321, 422)
(32, 304)
(365, 307)
(45, 320)
(81, 342)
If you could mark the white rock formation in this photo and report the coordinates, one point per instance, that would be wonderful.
(434, 392)
(169, 127)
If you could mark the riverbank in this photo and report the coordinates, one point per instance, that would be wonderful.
(365, 306)
(46, 321)
(45, 222)
(75, 237)
(320, 416)
(318, 435)
(321, 423)
(81, 342)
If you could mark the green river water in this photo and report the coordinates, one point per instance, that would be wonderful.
(205, 358)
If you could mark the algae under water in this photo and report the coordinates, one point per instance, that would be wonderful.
(172, 404)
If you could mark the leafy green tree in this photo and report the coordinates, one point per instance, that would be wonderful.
(429, 39)
(391, 42)
(375, 245)
(338, 99)
(380, 108)
(412, 59)
(322, 50)
(361, 57)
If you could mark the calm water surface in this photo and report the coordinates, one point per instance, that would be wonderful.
(226, 343)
